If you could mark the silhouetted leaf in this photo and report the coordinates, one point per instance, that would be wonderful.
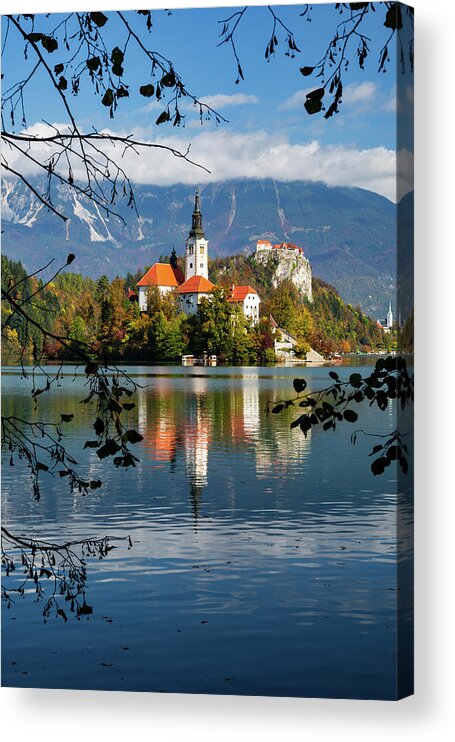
(334, 375)
(278, 408)
(132, 436)
(393, 17)
(70, 258)
(355, 380)
(49, 44)
(108, 98)
(129, 405)
(66, 418)
(109, 449)
(404, 464)
(93, 63)
(381, 400)
(378, 466)
(98, 426)
(84, 609)
(162, 118)
(305, 424)
(58, 69)
(299, 385)
(147, 90)
(350, 416)
(91, 444)
(99, 19)
(306, 71)
(393, 453)
(313, 106)
(168, 81)
(62, 83)
(117, 57)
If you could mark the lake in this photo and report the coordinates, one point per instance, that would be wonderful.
(262, 562)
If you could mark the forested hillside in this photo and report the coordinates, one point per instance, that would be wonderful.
(100, 314)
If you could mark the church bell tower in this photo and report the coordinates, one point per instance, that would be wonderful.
(196, 257)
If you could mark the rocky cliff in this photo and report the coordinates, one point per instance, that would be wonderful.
(286, 262)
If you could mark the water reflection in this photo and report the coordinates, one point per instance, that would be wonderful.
(196, 420)
(254, 548)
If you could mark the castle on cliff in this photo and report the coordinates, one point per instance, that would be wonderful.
(286, 261)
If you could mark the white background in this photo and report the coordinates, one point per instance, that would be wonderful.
(40, 715)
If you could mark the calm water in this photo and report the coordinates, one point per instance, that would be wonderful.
(263, 563)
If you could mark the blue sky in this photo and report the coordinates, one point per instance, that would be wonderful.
(268, 130)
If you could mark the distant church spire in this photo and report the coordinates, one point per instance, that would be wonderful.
(197, 230)
(390, 317)
(173, 258)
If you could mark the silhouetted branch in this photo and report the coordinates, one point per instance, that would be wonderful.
(103, 179)
(57, 573)
(390, 381)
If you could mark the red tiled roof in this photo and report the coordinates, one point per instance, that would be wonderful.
(264, 242)
(162, 274)
(196, 285)
(239, 293)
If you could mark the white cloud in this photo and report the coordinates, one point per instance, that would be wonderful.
(363, 92)
(220, 100)
(257, 155)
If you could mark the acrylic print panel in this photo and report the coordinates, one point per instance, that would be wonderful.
(207, 350)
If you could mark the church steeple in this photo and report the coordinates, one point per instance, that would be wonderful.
(390, 317)
(196, 256)
(197, 230)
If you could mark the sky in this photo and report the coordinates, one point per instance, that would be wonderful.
(268, 132)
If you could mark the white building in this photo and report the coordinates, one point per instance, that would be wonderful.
(248, 299)
(164, 276)
(192, 291)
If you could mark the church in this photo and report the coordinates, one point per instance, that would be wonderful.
(195, 284)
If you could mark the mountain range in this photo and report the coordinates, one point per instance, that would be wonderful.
(348, 234)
